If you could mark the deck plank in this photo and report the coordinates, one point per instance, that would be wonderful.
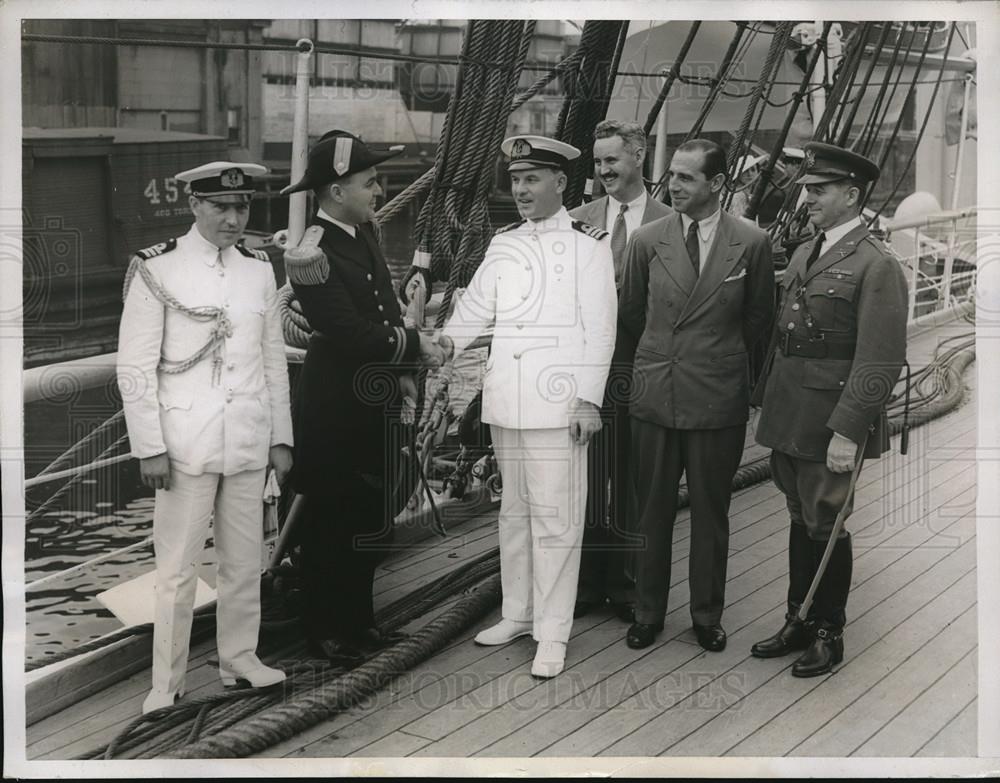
(957, 738)
(798, 713)
(672, 731)
(515, 746)
(924, 717)
(607, 728)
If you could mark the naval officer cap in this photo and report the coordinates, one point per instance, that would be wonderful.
(222, 178)
(828, 163)
(532, 152)
(338, 154)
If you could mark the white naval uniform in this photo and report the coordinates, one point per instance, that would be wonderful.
(216, 422)
(548, 289)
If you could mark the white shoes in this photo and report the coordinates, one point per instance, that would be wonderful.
(157, 700)
(503, 632)
(259, 676)
(549, 659)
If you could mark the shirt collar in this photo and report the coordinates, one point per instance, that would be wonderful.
(835, 234)
(561, 218)
(205, 250)
(636, 206)
(352, 230)
(705, 226)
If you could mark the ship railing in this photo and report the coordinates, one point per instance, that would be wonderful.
(941, 265)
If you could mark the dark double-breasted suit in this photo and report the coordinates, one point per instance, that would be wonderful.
(690, 394)
(346, 414)
(607, 543)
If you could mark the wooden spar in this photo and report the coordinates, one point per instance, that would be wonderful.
(300, 142)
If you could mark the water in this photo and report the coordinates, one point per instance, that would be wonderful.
(102, 512)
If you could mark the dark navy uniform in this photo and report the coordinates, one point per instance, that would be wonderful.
(838, 347)
(346, 410)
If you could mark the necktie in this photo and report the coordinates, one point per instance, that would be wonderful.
(694, 251)
(816, 251)
(619, 238)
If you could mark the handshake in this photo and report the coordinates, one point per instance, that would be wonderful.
(435, 351)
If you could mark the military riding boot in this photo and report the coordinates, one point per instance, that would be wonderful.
(827, 650)
(794, 634)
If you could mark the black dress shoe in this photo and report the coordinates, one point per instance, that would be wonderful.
(794, 635)
(373, 640)
(711, 637)
(624, 611)
(642, 635)
(337, 652)
(584, 607)
(826, 651)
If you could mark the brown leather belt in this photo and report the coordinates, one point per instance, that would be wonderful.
(814, 349)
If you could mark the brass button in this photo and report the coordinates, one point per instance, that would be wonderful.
(231, 366)
(376, 292)
(829, 290)
(791, 325)
(520, 326)
(524, 296)
(517, 355)
(385, 323)
(369, 276)
(841, 383)
(380, 307)
(795, 306)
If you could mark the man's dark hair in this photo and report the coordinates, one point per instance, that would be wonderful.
(715, 155)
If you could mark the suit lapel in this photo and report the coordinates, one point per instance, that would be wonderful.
(598, 213)
(837, 253)
(672, 255)
(724, 255)
(650, 213)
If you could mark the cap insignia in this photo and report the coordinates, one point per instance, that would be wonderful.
(231, 178)
(520, 149)
(810, 159)
(342, 154)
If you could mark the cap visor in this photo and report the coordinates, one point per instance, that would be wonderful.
(302, 184)
(818, 179)
(524, 165)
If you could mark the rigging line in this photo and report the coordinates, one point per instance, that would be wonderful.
(671, 77)
(846, 125)
(910, 93)
(735, 53)
(274, 47)
(877, 126)
(920, 135)
(797, 98)
(645, 54)
(861, 142)
(864, 31)
(789, 215)
(779, 46)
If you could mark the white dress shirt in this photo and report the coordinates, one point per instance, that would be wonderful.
(633, 215)
(352, 230)
(706, 233)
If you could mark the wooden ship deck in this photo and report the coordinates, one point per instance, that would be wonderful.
(907, 686)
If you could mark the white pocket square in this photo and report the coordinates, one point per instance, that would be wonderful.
(743, 273)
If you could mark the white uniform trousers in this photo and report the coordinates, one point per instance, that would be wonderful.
(180, 527)
(544, 477)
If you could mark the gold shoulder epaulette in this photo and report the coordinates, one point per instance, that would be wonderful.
(589, 230)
